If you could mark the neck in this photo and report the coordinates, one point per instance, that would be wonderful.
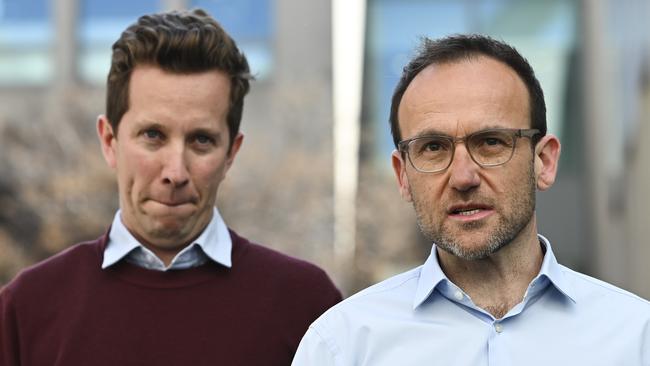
(498, 282)
(166, 255)
(165, 252)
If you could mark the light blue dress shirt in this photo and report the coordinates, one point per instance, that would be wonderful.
(421, 318)
(214, 243)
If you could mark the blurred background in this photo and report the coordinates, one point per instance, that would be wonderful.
(313, 178)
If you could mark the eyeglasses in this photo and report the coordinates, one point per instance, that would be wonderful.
(487, 148)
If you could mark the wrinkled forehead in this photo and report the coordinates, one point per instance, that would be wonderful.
(461, 97)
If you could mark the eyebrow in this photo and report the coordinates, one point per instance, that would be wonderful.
(429, 132)
(434, 131)
(146, 124)
(216, 134)
(140, 124)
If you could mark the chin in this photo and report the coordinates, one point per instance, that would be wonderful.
(468, 244)
(168, 229)
(481, 252)
(465, 252)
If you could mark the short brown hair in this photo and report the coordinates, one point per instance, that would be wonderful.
(178, 42)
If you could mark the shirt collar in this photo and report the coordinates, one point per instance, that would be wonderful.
(431, 275)
(552, 270)
(215, 241)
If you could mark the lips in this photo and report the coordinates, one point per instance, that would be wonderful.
(174, 203)
(467, 209)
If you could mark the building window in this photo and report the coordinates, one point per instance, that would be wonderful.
(249, 22)
(25, 42)
(100, 25)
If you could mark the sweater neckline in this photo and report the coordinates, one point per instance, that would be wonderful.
(171, 279)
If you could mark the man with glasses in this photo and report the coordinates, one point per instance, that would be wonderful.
(169, 283)
(468, 121)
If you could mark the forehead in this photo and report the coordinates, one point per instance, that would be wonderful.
(165, 97)
(464, 96)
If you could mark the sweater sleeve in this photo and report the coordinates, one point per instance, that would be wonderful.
(9, 355)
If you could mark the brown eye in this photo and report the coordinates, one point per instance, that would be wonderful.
(492, 141)
(432, 146)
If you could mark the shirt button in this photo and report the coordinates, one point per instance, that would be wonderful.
(458, 295)
(498, 327)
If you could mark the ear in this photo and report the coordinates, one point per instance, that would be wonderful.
(547, 155)
(399, 166)
(107, 139)
(234, 149)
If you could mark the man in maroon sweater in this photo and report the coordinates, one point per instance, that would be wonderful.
(168, 284)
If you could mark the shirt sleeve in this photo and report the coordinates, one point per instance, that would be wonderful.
(314, 350)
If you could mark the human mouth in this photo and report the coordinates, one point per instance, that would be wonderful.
(173, 203)
(470, 211)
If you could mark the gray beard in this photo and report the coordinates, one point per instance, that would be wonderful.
(507, 228)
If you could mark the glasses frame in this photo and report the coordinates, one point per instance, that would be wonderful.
(403, 146)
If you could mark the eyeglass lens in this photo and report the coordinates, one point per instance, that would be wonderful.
(434, 153)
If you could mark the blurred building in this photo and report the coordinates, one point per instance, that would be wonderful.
(592, 58)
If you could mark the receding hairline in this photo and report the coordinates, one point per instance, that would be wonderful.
(469, 57)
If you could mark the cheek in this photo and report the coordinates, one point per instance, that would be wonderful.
(208, 174)
(427, 189)
(519, 173)
(432, 184)
(136, 170)
(515, 184)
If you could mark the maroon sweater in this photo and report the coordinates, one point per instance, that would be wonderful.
(68, 311)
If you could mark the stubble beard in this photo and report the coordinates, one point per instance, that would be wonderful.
(507, 228)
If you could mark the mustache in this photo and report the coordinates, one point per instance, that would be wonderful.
(468, 196)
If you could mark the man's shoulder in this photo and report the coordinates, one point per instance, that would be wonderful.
(401, 286)
(276, 265)
(267, 258)
(301, 289)
(593, 291)
(64, 264)
(387, 298)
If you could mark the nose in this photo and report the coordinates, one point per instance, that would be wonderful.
(463, 170)
(175, 167)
